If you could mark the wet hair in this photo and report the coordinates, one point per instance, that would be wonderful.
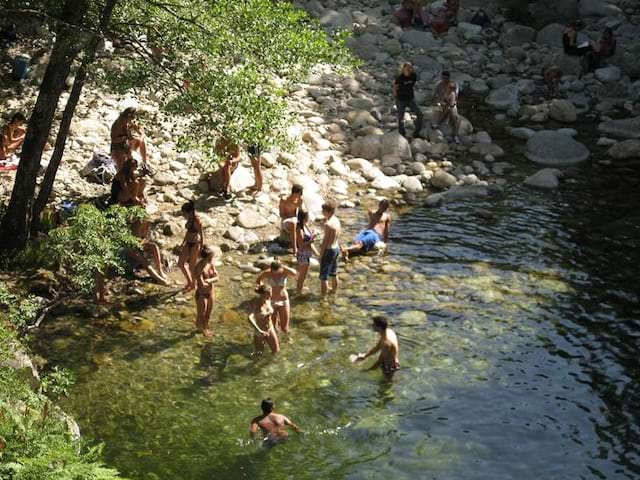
(329, 207)
(302, 217)
(445, 74)
(380, 322)
(188, 207)
(18, 117)
(275, 266)
(263, 289)
(206, 252)
(297, 189)
(267, 405)
(384, 204)
(129, 112)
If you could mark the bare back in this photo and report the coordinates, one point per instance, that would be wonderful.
(379, 222)
(389, 348)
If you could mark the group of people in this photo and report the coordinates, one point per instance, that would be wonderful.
(437, 17)
(445, 92)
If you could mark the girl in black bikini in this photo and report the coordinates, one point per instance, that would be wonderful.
(206, 275)
(191, 245)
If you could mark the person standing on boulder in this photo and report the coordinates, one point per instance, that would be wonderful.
(448, 102)
(403, 93)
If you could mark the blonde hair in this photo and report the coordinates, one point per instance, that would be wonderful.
(405, 64)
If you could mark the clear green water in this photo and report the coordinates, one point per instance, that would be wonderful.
(518, 332)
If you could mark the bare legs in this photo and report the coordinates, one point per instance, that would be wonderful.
(257, 172)
(303, 268)
(272, 340)
(204, 307)
(188, 256)
(324, 286)
(281, 314)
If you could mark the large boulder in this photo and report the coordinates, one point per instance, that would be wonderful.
(385, 183)
(412, 184)
(545, 178)
(241, 179)
(551, 35)
(504, 98)
(467, 31)
(396, 145)
(332, 19)
(608, 74)
(569, 64)
(627, 59)
(464, 127)
(623, 128)
(418, 39)
(484, 149)
(563, 111)
(518, 35)
(367, 147)
(548, 11)
(625, 150)
(555, 149)
(442, 180)
(597, 8)
(250, 218)
(241, 235)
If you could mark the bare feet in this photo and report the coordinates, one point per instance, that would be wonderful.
(207, 333)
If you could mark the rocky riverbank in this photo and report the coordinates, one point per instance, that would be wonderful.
(347, 128)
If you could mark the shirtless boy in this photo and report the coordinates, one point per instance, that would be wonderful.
(273, 425)
(377, 231)
(388, 347)
(330, 249)
(289, 207)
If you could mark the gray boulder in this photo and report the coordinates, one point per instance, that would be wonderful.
(563, 111)
(367, 147)
(395, 144)
(479, 87)
(569, 64)
(332, 19)
(250, 218)
(505, 98)
(548, 11)
(624, 128)
(625, 150)
(468, 31)
(597, 8)
(522, 133)
(518, 35)
(240, 235)
(418, 39)
(608, 74)
(551, 35)
(545, 178)
(555, 149)
(484, 149)
(442, 180)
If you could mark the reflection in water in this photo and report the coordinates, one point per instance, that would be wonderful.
(519, 353)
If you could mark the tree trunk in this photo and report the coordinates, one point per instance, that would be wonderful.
(14, 231)
(67, 116)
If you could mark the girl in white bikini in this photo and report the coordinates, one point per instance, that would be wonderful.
(276, 278)
(260, 319)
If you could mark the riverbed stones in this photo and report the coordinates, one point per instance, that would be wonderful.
(608, 74)
(625, 150)
(442, 180)
(241, 235)
(484, 149)
(367, 147)
(551, 35)
(622, 128)
(250, 218)
(418, 39)
(597, 8)
(555, 149)
(522, 133)
(506, 97)
(563, 111)
(395, 144)
(333, 19)
(568, 64)
(384, 182)
(518, 35)
(546, 178)
(412, 184)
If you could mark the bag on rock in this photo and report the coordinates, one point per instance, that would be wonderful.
(100, 169)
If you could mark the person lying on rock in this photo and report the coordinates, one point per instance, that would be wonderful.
(403, 86)
(377, 231)
(288, 209)
(12, 136)
(273, 425)
(230, 154)
(127, 137)
(387, 345)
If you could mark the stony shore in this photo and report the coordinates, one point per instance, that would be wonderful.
(349, 146)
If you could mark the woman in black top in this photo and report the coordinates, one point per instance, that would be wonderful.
(570, 41)
(403, 93)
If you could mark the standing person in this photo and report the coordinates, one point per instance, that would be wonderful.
(230, 153)
(288, 209)
(12, 136)
(449, 109)
(304, 239)
(439, 87)
(127, 137)
(262, 321)
(388, 347)
(273, 425)
(377, 231)
(255, 154)
(330, 250)
(403, 93)
(191, 245)
(206, 275)
(276, 277)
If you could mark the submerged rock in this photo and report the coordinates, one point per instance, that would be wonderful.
(625, 150)
(545, 178)
(504, 98)
(624, 128)
(555, 149)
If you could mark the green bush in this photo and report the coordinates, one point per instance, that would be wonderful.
(19, 312)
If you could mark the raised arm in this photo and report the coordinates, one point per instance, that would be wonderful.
(295, 427)
(289, 271)
(262, 276)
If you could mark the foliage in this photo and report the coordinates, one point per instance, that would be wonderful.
(92, 242)
(20, 312)
(35, 442)
(57, 383)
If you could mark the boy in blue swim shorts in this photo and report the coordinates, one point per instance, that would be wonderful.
(376, 231)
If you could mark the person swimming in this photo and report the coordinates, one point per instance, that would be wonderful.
(276, 277)
(261, 320)
(377, 231)
(272, 425)
(387, 345)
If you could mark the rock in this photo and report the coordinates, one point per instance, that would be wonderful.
(608, 74)
(392, 46)
(359, 165)
(412, 318)
(522, 133)
(545, 178)
(434, 200)
(250, 218)
(504, 98)
(360, 119)
(597, 8)
(419, 145)
(569, 64)
(518, 35)
(516, 53)
(385, 183)
(19, 361)
(412, 184)
(563, 111)
(240, 235)
(367, 147)
(624, 128)
(338, 168)
(625, 150)
(163, 179)
(332, 19)
(547, 11)
(551, 35)
(442, 180)
(418, 38)
(484, 149)
(479, 87)
(395, 144)
(417, 168)
(241, 179)
(90, 127)
(465, 192)
(555, 149)
(468, 30)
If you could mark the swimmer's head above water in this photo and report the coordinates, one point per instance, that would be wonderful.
(267, 406)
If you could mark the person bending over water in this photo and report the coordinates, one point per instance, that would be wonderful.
(388, 347)
(377, 231)
(191, 245)
(276, 278)
(306, 248)
(273, 425)
(260, 319)
(206, 275)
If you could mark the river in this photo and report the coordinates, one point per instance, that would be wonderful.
(518, 321)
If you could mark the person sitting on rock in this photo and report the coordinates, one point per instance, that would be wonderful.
(230, 153)
(127, 137)
(448, 102)
(289, 208)
(403, 93)
(127, 188)
(141, 230)
(605, 48)
(439, 88)
(376, 231)
(552, 77)
(12, 136)
(570, 41)
(411, 14)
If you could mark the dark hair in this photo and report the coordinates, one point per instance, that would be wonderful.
(380, 322)
(206, 252)
(189, 207)
(275, 266)
(267, 405)
(129, 112)
(18, 116)
(445, 74)
(297, 189)
(129, 168)
(329, 206)
(608, 31)
(303, 216)
(263, 289)
(384, 203)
